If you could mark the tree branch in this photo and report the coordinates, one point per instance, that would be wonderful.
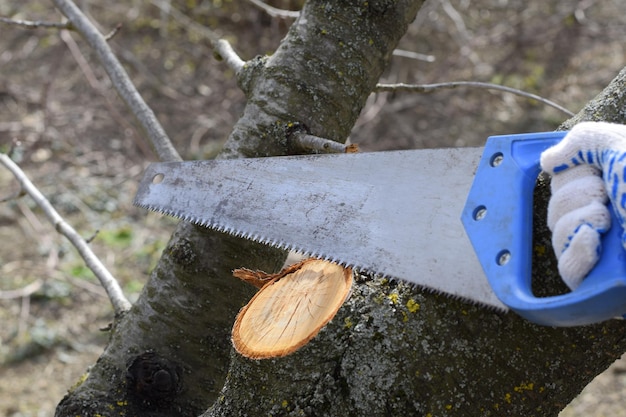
(122, 83)
(185, 21)
(413, 55)
(307, 142)
(221, 47)
(29, 24)
(109, 283)
(429, 88)
(93, 81)
(275, 12)
(25, 291)
(228, 54)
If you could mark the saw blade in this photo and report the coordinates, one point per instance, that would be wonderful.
(393, 213)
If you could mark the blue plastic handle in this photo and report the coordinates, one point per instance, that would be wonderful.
(498, 220)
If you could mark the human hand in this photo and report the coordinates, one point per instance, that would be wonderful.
(588, 167)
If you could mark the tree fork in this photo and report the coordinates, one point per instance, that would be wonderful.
(320, 76)
(392, 349)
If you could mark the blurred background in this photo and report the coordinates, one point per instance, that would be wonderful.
(76, 141)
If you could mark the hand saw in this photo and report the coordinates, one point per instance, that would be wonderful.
(457, 221)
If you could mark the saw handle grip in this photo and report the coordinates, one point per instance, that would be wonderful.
(498, 218)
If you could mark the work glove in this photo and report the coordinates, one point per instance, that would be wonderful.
(588, 168)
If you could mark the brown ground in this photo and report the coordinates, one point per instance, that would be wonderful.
(77, 143)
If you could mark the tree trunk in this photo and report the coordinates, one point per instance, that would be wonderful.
(392, 349)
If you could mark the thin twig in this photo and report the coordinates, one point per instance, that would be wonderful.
(121, 81)
(220, 46)
(320, 145)
(12, 196)
(25, 291)
(185, 21)
(413, 55)
(275, 12)
(29, 24)
(108, 282)
(429, 88)
(112, 33)
(93, 81)
(22, 325)
(229, 55)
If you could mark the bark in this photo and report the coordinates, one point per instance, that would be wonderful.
(392, 349)
(169, 354)
(608, 106)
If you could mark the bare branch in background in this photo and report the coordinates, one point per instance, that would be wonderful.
(122, 83)
(108, 282)
(185, 21)
(220, 46)
(93, 81)
(114, 32)
(429, 88)
(413, 55)
(275, 12)
(25, 291)
(28, 24)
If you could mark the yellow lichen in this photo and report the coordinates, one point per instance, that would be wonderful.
(524, 387)
(80, 381)
(393, 297)
(540, 250)
(412, 305)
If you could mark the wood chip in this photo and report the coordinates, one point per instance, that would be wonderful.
(290, 308)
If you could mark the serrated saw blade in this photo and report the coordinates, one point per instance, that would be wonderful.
(394, 213)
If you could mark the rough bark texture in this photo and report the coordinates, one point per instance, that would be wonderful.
(395, 350)
(608, 106)
(169, 354)
(392, 349)
(320, 76)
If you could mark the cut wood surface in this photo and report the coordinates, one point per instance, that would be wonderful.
(290, 308)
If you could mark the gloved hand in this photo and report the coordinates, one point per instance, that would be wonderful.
(587, 166)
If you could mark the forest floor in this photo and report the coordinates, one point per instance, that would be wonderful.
(73, 137)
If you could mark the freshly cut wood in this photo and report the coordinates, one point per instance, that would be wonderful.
(290, 308)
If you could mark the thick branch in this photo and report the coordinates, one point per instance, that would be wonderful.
(392, 349)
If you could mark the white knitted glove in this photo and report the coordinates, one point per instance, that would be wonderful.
(587, 166)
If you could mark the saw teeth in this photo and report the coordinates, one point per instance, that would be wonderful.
(312, 254)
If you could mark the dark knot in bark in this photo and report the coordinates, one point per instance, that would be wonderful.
(154, 380)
